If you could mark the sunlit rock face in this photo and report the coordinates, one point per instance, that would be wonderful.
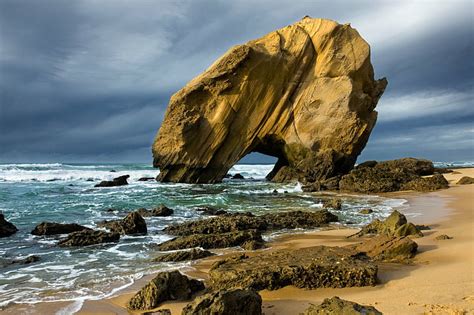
(304, 93)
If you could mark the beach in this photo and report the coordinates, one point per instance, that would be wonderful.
(439, 281)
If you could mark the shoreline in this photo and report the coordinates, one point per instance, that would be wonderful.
(441, 279)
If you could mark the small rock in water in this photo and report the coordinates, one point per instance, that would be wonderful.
(132, 224)
(275, 192)
(222, 302)
(443, 237)
(24, 261)
(366, 211)
(52, 228)
(336, 305)
(334, 203)
(118, 181)
(465, 180)
(113, 171)
(238, 176)
(210, 211)
(144, 179)
(88, 237)
(160, 211)
(6, 228)
(166, 286)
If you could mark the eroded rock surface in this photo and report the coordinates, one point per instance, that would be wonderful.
(315, 116)
(395, 224)
(222, 302)
(388, 248)
(312, 267)
(6, 228)
(336, 305)
(88, 237)
(132, 224)
(51, 228)
(166, 286)
(465, 180)
(184, 255)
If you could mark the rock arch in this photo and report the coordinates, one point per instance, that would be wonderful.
(305, 94)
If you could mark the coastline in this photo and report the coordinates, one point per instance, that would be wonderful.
(441, 279)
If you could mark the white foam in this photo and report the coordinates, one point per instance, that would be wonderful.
(71, 308)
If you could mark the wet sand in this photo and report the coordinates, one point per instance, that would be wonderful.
(440, 281)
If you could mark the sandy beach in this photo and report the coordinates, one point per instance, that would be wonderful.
(440, 280)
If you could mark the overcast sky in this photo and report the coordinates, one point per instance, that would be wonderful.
(90, 80)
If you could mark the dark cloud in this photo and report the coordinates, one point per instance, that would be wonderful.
(90, 81)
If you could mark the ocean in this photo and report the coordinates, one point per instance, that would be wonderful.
(65, 193)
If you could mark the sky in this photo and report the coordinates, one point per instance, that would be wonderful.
(89, 81)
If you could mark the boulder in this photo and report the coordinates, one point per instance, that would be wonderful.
(387, 176)
(51, 228)
(6, 228)
(207, 241)
(395, 224)
(118, 181)
(160, 211)
(315, 116)
(443, 237)
(184, 255)
(222, 302)
(309, 268)
(238, 176)
(432, 183)
(333, 203)
(241, 222)
(336, 305)
(132, 224)
(465, 180)
(166, 286)
(387, 248)
(88, 237)
(366, 211)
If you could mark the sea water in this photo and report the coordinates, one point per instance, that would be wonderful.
(65, 193)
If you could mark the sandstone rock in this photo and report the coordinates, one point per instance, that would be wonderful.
(334, 203)
(184, 255)
(51, 228)
(366, 211)
(465, 180)
(241, 222)
(118, 181)
(132, 224)
(166, 286)
(222, 302)
(160, 211)
(6, 228)
(443, 237)
(311, 267)
(207, 241)
(88, 237)
(336, 305)
(327, 184)
(388, 248)
(395, 225)
(315, 116)
(432, 183)
(386, 176)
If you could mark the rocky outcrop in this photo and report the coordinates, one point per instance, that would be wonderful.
(88, 237)
(222, 302)
(315, 116)
(336, 305)
(395, 224)
(6, 228)
(242, 222)
(393, 175)
(118, 181)
(388, 248)
(166, 286)
(310, 268)
(160, 211)
(465, 180)
(51, 228)
(132, 224)
(219, 240)
(184, 255)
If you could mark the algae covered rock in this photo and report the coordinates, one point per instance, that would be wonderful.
(465, 180)
(166, 286)
(6, 228)
(51, 228)
(338, 306)
(312, 267)
(132, 224)
(387, 248)
(315, 116)
(184, 255)
(88, 237)
(222, 302)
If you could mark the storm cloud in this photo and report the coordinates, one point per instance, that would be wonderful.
(90, 80)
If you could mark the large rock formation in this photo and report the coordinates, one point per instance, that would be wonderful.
(305, 94)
